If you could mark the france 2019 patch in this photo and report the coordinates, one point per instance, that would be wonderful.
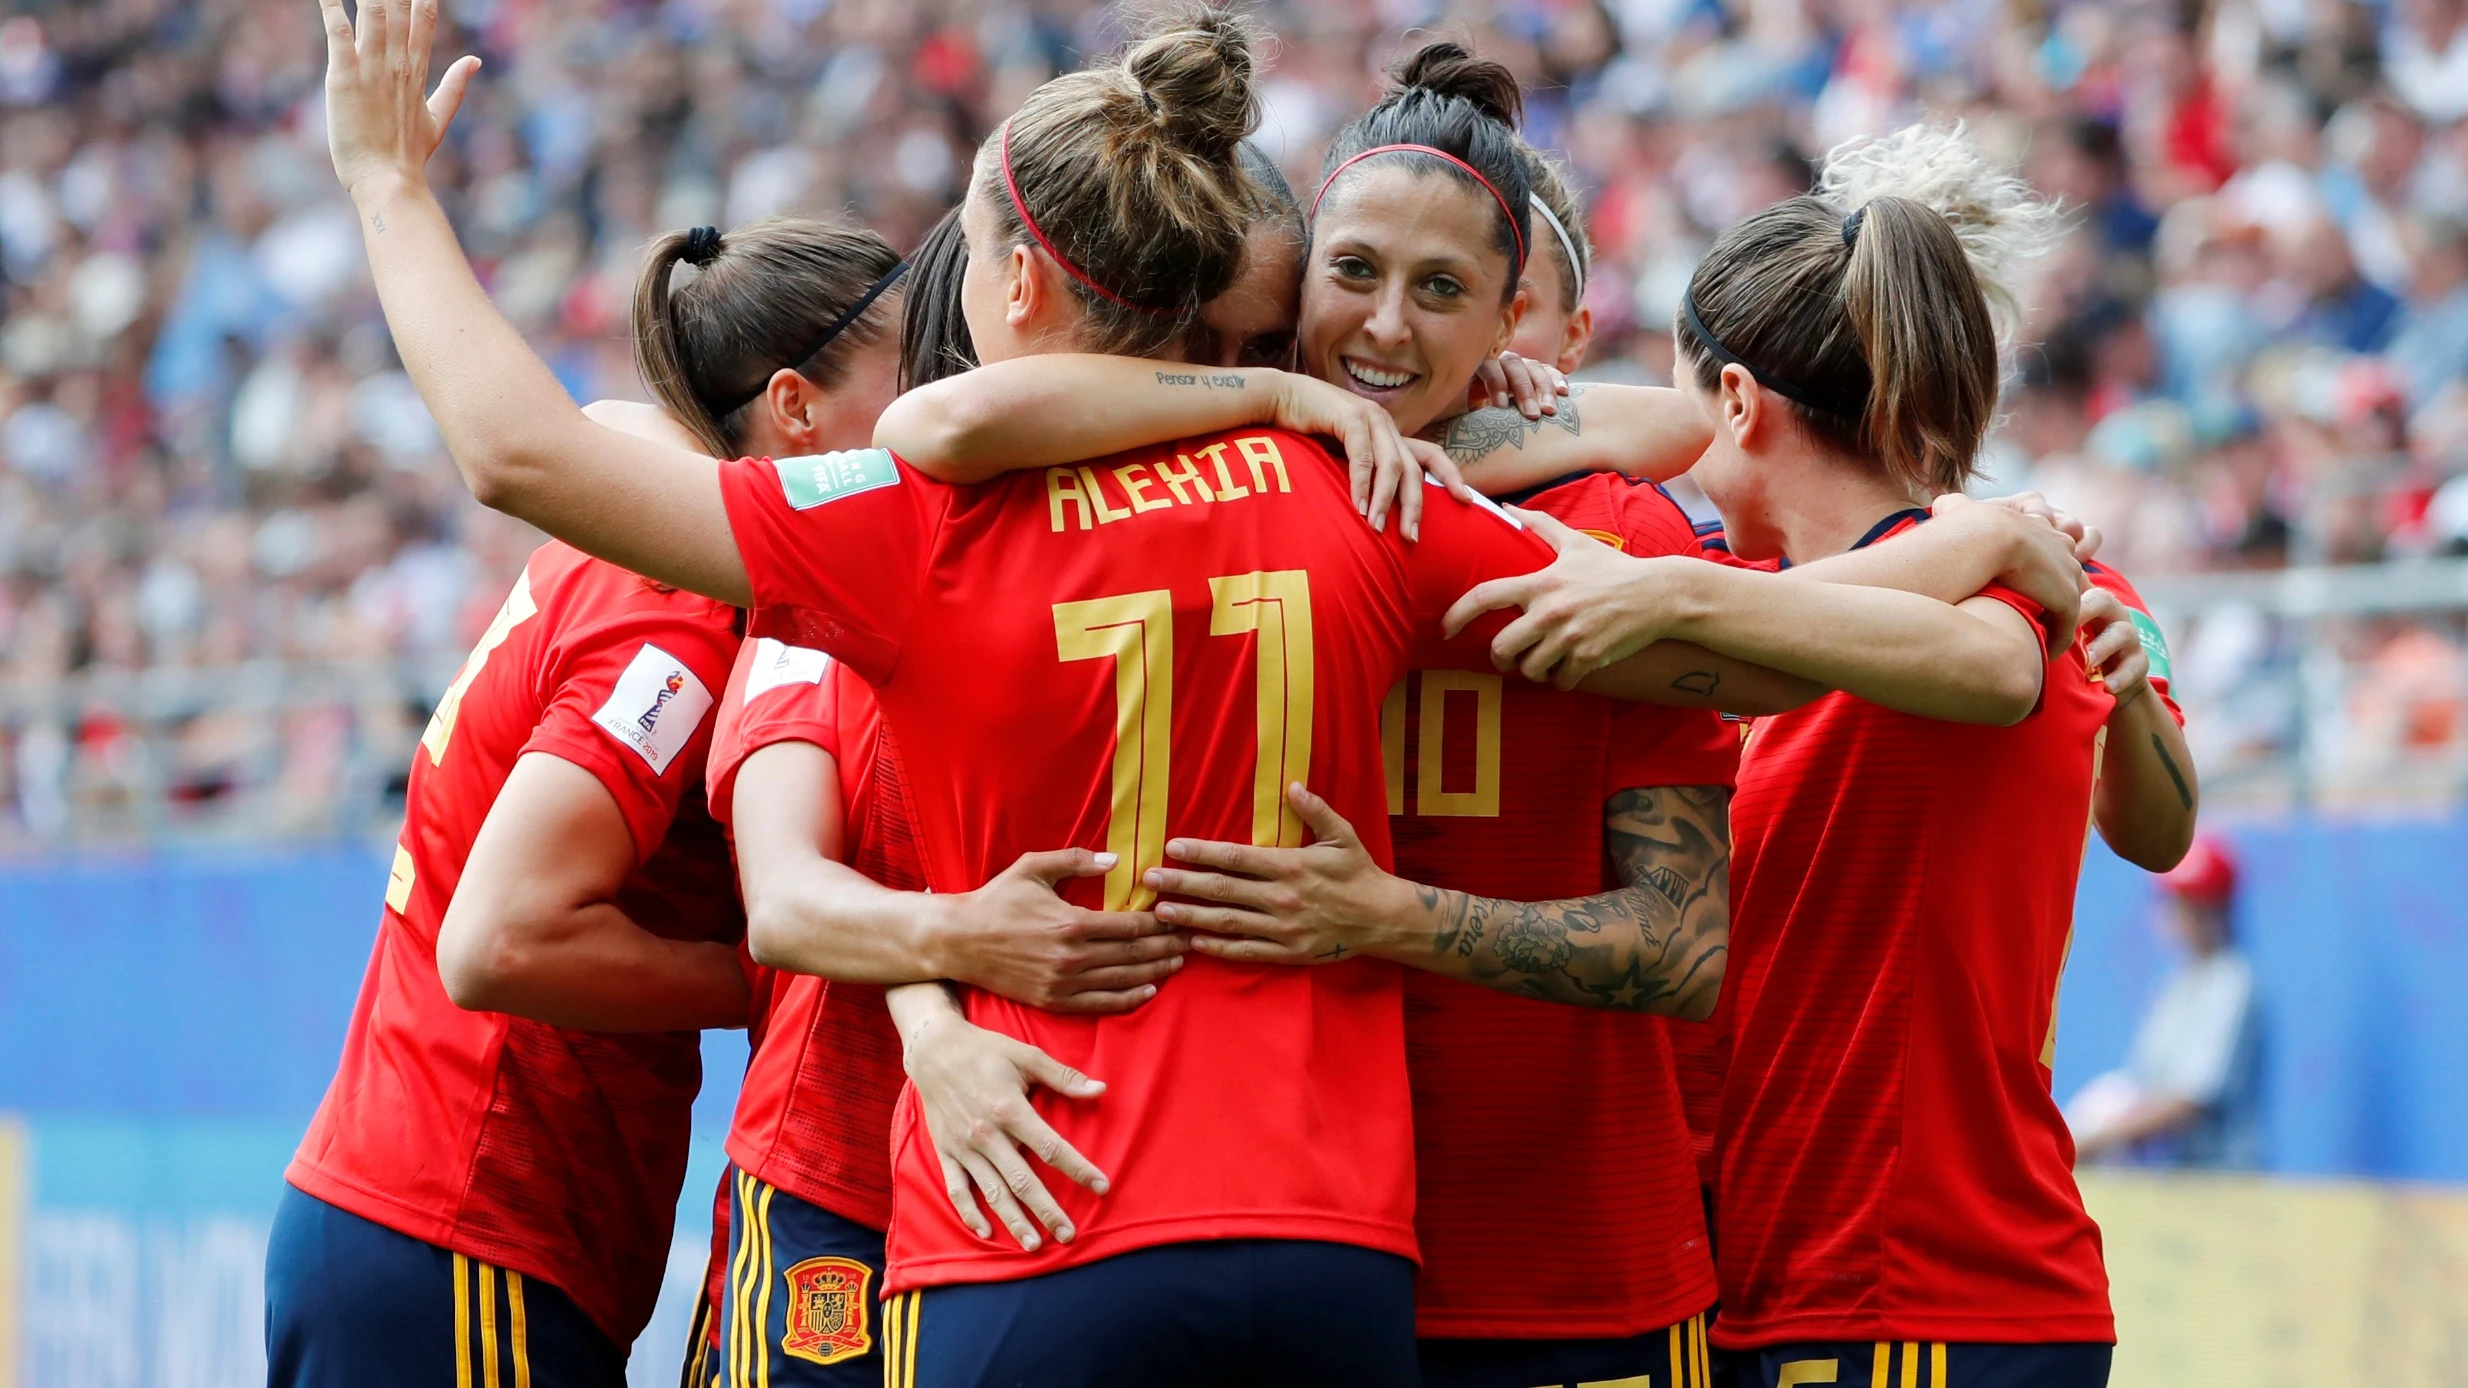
(778, 665)
(2154, 644)
(655, 708)
(815, 478)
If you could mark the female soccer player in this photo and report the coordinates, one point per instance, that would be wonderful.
(1131, 624)
(487, 1193)
(1903, 886)
(1571, 1293)
(807, 1194)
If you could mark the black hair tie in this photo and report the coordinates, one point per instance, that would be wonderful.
(1851, 226)
(1773, 381)
(820, 340)
(702, 246)
(1150, 102)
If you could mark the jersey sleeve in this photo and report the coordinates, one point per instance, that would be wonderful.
(2154, 641)
(1463, 545)
(629, 699)
(777, 693)
(1656, 746)
(836, 547)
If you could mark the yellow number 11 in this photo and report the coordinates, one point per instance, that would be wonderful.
(1136, 630)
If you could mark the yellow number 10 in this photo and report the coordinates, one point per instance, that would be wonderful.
(1136, 630)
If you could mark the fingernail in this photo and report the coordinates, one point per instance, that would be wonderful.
(1102, 1186)
(1147, 991)
(1108, 860)
(1063, 1235)
(1176, 848)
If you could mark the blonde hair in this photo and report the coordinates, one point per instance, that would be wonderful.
(1877, 305)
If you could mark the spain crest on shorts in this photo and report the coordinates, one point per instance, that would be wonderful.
(829, 1310)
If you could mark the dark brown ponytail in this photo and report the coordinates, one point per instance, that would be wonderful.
(760, 299)
(934, 340)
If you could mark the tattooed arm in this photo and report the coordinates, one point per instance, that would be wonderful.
(1656, 944)
(1645, 431)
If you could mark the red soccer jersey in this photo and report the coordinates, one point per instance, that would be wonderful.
(1103, 656)
(1557, 1193)
(814, 1118)
(1892, 1164)
(554, 1153)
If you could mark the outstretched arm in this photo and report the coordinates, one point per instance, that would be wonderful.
(1593, 618)
(1656, 944)
(1650, 432)
(523, 446)
(807, 912)
(1054, 409)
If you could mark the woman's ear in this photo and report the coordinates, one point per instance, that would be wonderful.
(1739, 407)
(1026, 295)
(1512, 313)
(1576, 339)
(793, 408)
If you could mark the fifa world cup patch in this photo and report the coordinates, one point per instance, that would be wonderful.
(2154, 645)
(815, 478)
(830, 1314)
(655, 708)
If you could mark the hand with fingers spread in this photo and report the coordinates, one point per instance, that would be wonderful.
(1593, 606)
(380, 121)
(2041, 558)
(1533, 388)
(1017, 937)
(972, 1090)
(1314, 905)
(1385, 466)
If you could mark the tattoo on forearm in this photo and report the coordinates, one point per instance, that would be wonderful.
(1657, 944)
(1701, 683)
(2185, 793)
(1204, 380)
(1477, 434)
(377, 222)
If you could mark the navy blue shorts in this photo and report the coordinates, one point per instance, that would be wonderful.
(1238, 1313)
(798, 1309)
(1674, 1357)
(353, 1304)
(1920, 1364)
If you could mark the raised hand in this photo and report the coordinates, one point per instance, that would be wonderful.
(380, 120)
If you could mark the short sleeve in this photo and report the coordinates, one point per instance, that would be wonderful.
(836, 547)
(1462, 545)
(630, 697)
(2041, 620)
(2154, 641)
(1656, 746)
(777, 693)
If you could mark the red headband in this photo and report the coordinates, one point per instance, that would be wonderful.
(1020, 205)
(1516, 225)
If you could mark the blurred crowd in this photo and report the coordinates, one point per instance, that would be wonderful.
(235, 563)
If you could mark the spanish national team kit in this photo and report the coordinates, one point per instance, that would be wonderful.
(1563, 1235)
(795, 1285)
(1895, 1197)
(1106, 655)
(484, 1199)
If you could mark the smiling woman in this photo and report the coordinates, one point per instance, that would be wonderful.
(1400, 301)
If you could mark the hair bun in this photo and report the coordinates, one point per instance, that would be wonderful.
(1193, 75)
(1447, 68)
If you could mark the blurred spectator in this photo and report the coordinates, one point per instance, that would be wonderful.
(2190, 1091)
(235, 564)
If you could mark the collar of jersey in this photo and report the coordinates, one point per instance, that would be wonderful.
(1882, 528)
